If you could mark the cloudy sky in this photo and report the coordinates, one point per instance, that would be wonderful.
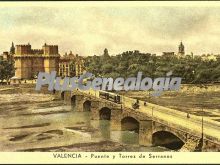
(87, 30)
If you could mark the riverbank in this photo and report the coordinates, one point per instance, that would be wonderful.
(198, 100)
(33, 121)
(38, 121)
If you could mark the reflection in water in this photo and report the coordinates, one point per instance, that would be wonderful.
(105, 129)
(126, 137)
(129, 137)
(23, 126)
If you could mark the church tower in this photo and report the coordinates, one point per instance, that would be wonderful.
(106, 52)
(12, 49)
(181, 51)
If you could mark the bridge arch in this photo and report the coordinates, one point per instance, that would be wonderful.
(130, 123)
(73, 100)
(87, 105)
(62, 95)
(167, 139)
(105, 113)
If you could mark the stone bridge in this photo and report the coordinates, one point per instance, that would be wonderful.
(156, 125)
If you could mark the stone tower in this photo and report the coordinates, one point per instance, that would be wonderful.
(51, 58)
(181, 51)
(22, 61)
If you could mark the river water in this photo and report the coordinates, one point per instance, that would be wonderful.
(39, 122)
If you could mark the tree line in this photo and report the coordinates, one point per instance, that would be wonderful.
(128, 64)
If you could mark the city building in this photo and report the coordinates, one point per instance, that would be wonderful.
(28, 61)
(168, 53)
(5, 56)
(181, 50)
(209, 57)
(8, 56)
(71, 65)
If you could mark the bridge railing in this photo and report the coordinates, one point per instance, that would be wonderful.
(130, 101)
(91, 92)
(127, 101)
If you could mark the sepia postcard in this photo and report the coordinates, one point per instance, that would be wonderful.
(109, 82)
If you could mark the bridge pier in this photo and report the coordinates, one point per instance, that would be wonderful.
(67, 97)
(95, 110)
(116, 119)
(79, 100)
(57, 94)
(145, 133)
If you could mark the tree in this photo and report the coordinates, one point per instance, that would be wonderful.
(7, 70)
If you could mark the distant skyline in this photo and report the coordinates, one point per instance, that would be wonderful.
(87, 30)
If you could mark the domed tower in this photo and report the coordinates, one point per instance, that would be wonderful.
(106, 52)
(181, 51)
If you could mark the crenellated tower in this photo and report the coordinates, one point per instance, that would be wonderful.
(51, 57)
(28, 61)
